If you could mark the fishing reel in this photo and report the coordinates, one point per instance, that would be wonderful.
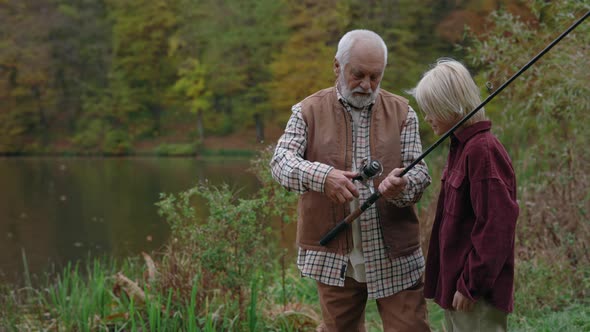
(369, 169)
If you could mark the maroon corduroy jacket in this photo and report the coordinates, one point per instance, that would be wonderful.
(472, 242)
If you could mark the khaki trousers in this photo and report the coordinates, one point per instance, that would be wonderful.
(482, 318)
(343, 308)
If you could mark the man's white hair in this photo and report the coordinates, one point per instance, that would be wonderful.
(348, 40)
(447, 92)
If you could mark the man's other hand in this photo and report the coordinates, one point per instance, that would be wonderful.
(393, 185)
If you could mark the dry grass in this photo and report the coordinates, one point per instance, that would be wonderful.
(555, 216)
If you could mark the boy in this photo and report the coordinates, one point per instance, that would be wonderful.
(470, 262)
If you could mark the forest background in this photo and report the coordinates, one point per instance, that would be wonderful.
(178, 76)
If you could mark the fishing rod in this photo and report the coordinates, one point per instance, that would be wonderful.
(375, 196)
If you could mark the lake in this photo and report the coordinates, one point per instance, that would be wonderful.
(60, 210)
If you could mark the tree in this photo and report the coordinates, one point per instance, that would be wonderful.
(141, 36)
(234, 40)
(265, 33)
(554, 91)
(27, 97)
(407, 29)
(81, 48)
(191, 84)
(305, 62)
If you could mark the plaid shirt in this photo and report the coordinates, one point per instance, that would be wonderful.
(384, 276)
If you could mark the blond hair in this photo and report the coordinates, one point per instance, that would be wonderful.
(447, 92)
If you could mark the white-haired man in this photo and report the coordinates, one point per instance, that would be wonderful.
(328, 137)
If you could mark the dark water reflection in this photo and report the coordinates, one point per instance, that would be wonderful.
(66, 209)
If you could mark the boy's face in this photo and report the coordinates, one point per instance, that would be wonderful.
(439, 126)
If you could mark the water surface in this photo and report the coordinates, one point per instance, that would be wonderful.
(59, 210)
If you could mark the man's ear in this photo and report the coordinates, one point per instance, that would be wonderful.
(336, 67)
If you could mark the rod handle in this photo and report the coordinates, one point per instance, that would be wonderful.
(349, 219)
(333, 232)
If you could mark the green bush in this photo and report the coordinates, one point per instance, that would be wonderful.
(180, 149)
(222, 253)
(90, 138)
(116, 142)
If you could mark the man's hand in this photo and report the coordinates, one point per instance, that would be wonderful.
(339, 187)
(462, 302)
(393, 185)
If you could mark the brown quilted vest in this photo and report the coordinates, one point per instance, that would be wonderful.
(329, 141)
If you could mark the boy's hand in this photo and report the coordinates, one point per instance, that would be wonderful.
(462, 303)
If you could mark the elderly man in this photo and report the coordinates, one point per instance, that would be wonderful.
(328, 138)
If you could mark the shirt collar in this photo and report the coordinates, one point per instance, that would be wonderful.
(468, 132)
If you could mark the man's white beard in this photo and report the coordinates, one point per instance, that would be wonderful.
(356, 101)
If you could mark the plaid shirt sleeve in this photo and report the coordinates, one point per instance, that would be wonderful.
(288, 166)
(418, 178)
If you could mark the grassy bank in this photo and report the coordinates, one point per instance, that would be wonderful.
(91, 298)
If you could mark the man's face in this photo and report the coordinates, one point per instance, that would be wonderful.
(360, 78)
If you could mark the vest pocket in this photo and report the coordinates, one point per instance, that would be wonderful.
(401, 233)
(317, 215)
